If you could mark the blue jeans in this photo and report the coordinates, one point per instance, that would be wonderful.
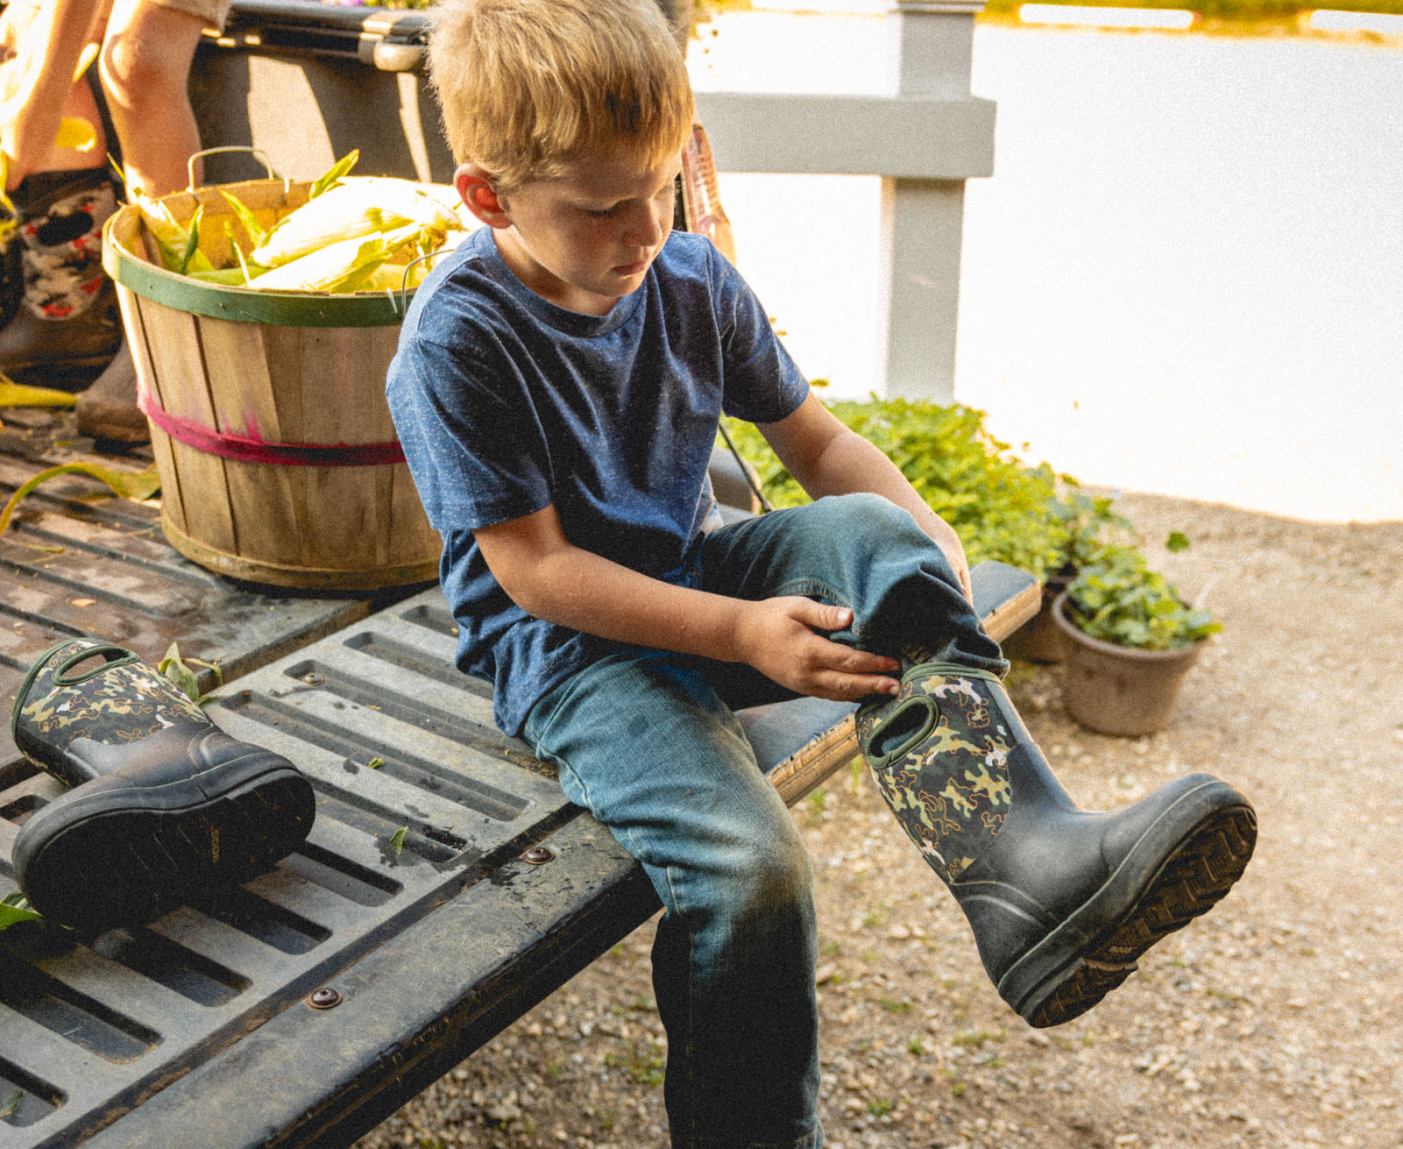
(647, 742)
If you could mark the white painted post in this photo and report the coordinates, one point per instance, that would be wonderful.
(922, 219)
(924, 140)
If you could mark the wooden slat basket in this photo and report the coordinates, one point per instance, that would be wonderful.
(232, 375)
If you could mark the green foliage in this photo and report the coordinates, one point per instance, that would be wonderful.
(15, 908)
(1091, 523)
(1000, 508)
(1119, 599)
(176, 669)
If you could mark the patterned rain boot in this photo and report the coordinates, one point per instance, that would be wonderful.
(65, 327)
(163, 804)
(1062, 902)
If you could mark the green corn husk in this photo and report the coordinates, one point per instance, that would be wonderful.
(346, 265)
(355, 207)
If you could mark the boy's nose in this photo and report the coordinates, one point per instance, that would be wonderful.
(645, 228)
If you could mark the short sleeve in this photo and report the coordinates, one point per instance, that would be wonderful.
(469, 433)
(763, 384)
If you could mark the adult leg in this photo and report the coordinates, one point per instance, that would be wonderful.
(57, 309)
(145, 62)
(1062, 902)
(643, 742)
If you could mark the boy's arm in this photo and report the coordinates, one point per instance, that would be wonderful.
(829, 459)
(550, 578)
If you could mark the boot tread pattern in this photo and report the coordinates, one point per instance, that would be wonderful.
(156, 860)
(1193, 879)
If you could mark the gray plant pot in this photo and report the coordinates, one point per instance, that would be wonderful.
(1116, 689)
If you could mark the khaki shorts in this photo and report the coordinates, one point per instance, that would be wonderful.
(212, 12)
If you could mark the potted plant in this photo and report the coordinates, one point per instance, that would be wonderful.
(1129, 642)
(1086, 526)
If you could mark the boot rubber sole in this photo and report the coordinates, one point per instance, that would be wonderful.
(127, 856)
(1180, 868)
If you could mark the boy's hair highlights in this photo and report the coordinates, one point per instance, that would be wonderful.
(528, 86)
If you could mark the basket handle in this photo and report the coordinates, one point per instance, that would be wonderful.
(255, 152)
(398, 299)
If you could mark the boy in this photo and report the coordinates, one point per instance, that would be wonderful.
(557, 391)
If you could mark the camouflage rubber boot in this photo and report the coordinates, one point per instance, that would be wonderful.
(1062, 902)
(64, 327)
(163, 804)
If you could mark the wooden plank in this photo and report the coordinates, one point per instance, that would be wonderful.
(266, 501)
(181, 388)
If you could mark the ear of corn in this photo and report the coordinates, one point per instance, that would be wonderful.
(342, 266)
(354, 207)
(353, 233)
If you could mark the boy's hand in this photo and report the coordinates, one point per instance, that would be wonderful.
(777, 636)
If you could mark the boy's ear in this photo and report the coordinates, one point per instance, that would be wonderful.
(478, 192)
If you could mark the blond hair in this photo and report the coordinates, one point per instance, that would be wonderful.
(528, 86)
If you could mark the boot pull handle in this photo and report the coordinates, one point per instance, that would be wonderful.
(898, 725)
(112, 655)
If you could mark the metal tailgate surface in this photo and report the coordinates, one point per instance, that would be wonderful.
(418, 797)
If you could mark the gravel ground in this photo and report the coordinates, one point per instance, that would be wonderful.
(1275, 1021)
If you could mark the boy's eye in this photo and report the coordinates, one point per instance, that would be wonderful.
(602, 213)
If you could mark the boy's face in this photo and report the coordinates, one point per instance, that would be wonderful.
(583, 240)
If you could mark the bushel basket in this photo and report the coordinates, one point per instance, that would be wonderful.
(278, 459)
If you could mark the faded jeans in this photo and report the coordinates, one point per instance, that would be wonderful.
(647, 742)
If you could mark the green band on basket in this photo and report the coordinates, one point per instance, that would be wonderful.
(248, 305)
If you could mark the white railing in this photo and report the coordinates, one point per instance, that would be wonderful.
(924, 140)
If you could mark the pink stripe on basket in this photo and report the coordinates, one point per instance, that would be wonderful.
(249, 450)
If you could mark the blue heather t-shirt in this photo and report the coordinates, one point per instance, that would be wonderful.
(506, 404)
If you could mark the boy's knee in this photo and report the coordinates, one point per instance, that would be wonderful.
(863, 519)
(775, 873)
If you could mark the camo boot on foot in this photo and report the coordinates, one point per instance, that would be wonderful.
(1062, 902)
(163, 804)
(65, 327)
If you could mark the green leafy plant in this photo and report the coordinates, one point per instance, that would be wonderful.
(1120, 600)
(1001, 508)
(1092, 524)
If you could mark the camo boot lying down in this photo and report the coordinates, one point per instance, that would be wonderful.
(163, 804)
(1062, 902)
